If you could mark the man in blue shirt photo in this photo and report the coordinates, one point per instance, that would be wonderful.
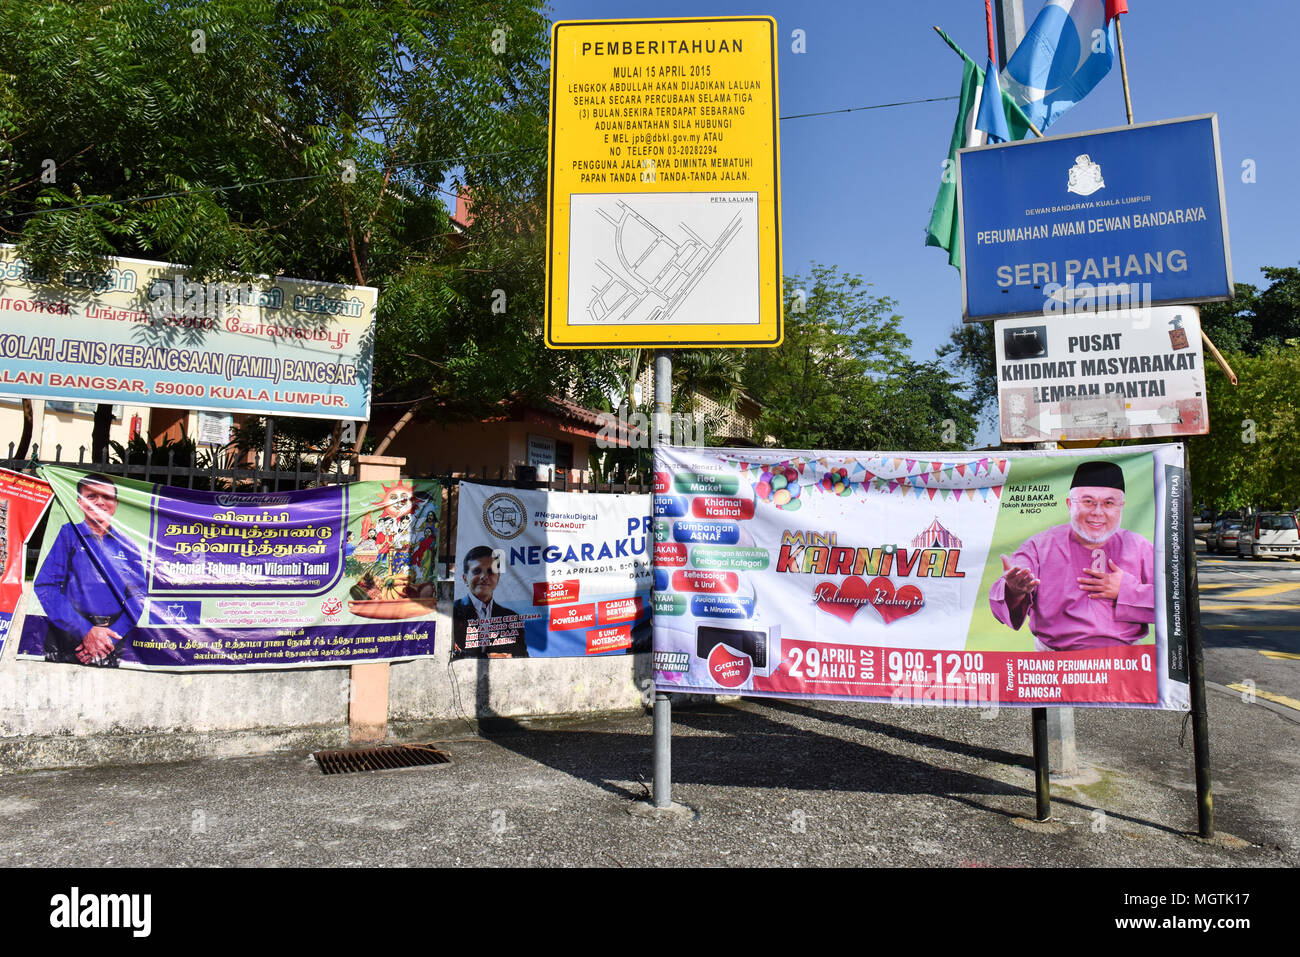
(91, 584)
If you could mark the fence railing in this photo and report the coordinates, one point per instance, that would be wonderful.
(244, 470)
(248, 472)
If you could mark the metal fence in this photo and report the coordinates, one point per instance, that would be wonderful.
(247, 471)
(230, 470)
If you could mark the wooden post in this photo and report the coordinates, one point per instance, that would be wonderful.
(368, 693)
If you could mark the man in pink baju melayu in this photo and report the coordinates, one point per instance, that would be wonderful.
(1088, 584)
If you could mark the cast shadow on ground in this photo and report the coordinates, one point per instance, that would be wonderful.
(721, 746)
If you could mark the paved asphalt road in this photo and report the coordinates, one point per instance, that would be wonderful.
(1251, 613)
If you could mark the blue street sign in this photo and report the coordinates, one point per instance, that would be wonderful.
(1121, 218)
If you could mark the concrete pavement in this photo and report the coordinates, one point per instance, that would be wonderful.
(783, 783)
(771, 782)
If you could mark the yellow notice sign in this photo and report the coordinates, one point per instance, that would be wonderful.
(664, 216)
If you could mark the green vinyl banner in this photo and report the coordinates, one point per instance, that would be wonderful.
(147, 576)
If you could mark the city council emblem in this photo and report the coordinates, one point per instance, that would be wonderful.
(1085, 176)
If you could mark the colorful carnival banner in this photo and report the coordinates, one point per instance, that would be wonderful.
(144, 332)
(148, 576)
(550, 574)
(23, 500)
(1027, 579)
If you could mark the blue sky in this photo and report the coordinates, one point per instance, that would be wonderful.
(857, 187)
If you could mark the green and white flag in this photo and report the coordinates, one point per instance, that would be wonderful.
(943, 231)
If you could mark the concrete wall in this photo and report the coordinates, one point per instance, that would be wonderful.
(59, 715)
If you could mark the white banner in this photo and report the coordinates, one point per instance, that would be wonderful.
(1027, 579)
(1126, 374)
(550, 574)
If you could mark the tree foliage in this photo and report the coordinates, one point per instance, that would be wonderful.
(1255, 321)
(842, 379)
(970, 349)
(311, 139)
(1251, 457)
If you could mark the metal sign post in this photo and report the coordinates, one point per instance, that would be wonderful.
(1196, 659)
(1042, 778)
(659, 424)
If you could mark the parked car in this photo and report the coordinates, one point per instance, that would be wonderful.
(1274, 535)
(1216, 531)
(1227, 540)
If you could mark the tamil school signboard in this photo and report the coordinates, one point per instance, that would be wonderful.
(1122, 374)
(145, 332)
(664, 221)
(1132, 216)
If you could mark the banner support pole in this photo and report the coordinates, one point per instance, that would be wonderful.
(663, 707)
(1196, 659)
(1039, 728)
(1042, 777)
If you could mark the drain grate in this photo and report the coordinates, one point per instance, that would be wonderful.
(388, 757)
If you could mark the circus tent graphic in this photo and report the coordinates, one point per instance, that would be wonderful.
(936, 536)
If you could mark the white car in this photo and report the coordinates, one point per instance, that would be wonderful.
(1273, 535)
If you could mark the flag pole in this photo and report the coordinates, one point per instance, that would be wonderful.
(1123, 69)
(944, 37)
(988, 18)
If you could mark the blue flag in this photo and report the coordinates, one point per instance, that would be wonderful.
(992, 118)
(1068, 50)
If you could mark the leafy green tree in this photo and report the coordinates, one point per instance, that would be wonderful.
(310, 139)
(970, 349)
(922, 408)
(1277, 308)
(1231, 325)
(841, 379)
(1251, 457)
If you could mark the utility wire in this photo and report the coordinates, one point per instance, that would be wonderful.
(877, 106)
(452, 160)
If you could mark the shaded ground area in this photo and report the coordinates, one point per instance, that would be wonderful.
(772, 783)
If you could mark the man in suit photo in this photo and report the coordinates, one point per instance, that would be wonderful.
(481, 626)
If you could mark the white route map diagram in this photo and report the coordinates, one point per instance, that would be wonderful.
(679, 258)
